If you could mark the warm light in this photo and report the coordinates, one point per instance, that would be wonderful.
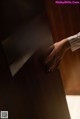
(74, 106)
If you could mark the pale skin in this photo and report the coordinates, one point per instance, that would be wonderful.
(57, 51)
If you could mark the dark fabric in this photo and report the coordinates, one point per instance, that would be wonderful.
(15, 13)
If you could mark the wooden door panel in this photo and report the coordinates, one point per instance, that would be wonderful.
(65, 21)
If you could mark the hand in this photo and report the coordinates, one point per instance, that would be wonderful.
(57, 51)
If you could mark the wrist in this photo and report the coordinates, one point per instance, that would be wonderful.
(66, 44)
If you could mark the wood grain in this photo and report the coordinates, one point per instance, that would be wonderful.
(65, 21)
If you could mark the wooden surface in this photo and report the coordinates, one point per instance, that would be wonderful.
(65, 21)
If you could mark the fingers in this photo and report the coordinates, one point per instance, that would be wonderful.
(55, 64)
(51, 47)
(49, 50)
(51, 55)
(49, 64)
(46, 53)
(56, 55)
